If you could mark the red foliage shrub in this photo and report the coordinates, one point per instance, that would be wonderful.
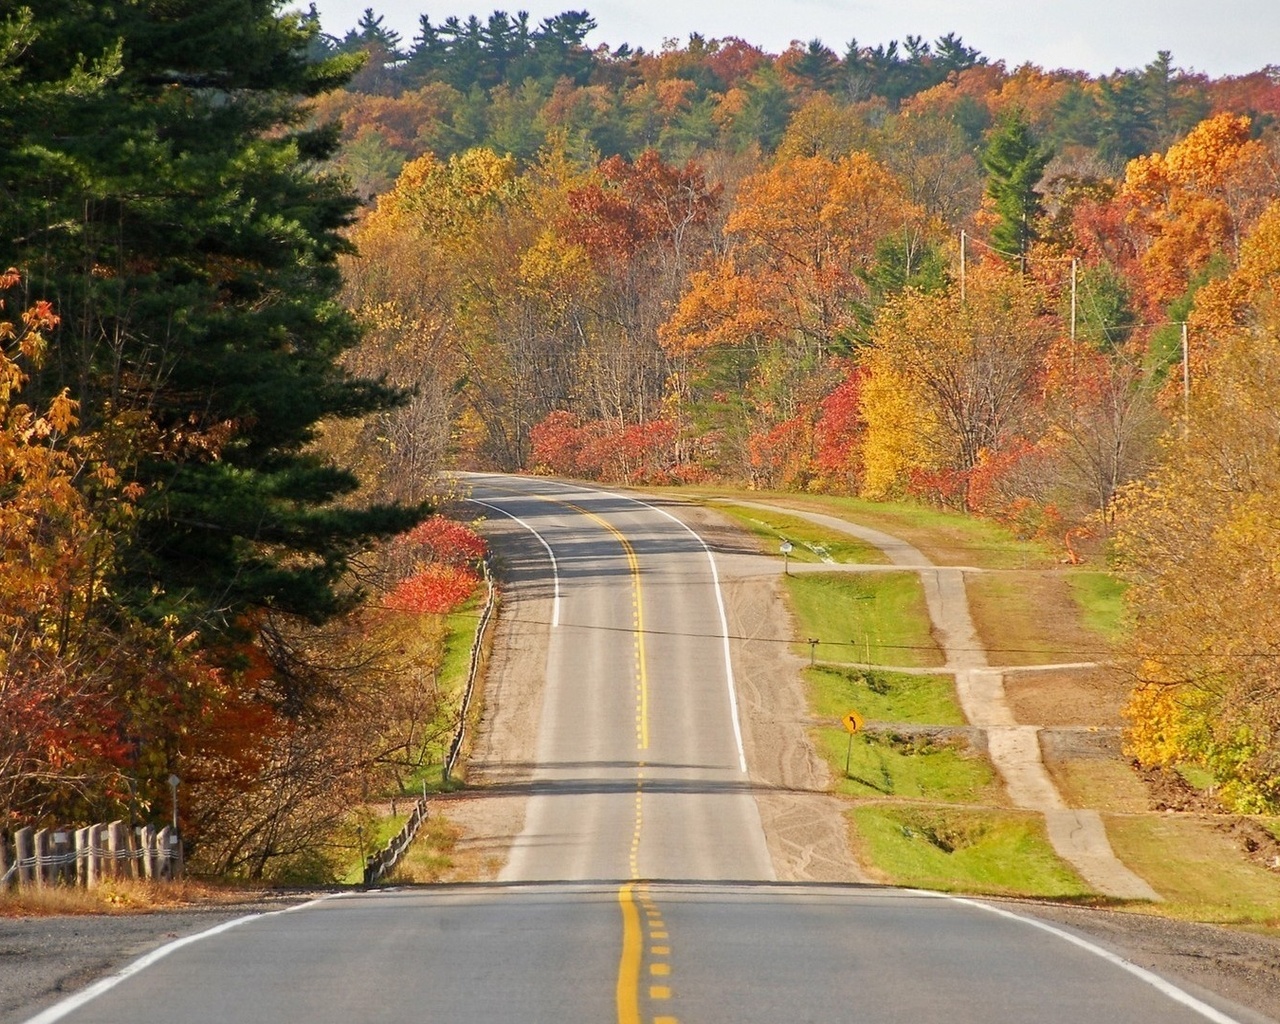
(603, 450)
(838, 434)
(436, 589)
(447, 540)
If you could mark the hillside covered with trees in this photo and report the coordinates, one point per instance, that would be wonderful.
(901, 271)
(264, 283)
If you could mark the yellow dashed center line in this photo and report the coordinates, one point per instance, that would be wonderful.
(632, 959)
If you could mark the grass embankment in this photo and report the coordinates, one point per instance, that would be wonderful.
(446, 650)
(865, 618)
(927, 809)
(926, 805)
(810, 543)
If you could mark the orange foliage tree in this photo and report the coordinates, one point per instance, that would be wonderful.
(1195, 200)
(64, 672)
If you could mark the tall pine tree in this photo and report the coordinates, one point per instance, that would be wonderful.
(161, 189)
(1014, 162)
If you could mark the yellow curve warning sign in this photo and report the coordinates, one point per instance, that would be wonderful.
(853, 721)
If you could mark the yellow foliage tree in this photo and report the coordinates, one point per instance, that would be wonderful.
(1195, 200)
(1199, 543)
(972, 366)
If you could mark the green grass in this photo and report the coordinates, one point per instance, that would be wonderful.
(950, 538)
(1196, 868)
(947, 537)
(810, 542)
(1100, 597)
(883, 696)
(917, 768)
(879, 618)
(962, 850)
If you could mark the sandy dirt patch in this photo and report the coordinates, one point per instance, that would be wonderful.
(1056, 697)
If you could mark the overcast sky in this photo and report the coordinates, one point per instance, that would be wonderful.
(1218, 37)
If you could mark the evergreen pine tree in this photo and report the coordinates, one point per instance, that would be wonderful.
(168, 202)
(1015, 162)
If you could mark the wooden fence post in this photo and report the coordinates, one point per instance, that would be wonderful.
(83, 852)
(94, 875)
(25, 851)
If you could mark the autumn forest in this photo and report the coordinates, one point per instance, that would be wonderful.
(302, 273)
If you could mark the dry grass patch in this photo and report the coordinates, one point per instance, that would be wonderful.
(1103, 784)
(1066, 697)
(1197, 868)
(123, 896)
(1031, 618)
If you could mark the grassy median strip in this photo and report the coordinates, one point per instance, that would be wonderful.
(913, 765)
(955, 849)
(878, 618)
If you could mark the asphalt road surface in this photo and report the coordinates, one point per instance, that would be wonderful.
(641, 889)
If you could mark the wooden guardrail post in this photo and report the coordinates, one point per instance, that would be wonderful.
(4, 862)
(147, 848)
(63, 864)
(24, 841)
(44, 869)
(93, 874)
(83, 852)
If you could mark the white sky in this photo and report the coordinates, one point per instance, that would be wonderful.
(1218, 37)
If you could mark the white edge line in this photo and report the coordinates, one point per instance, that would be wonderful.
(555, 569)
(724, 619)
(1168, 988)
(59, 1010)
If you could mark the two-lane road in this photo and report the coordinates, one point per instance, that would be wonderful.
(640, 771)
(640, 889)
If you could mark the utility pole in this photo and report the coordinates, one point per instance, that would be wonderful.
(1073, 299)
(1186, 381)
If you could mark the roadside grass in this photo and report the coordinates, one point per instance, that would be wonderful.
(447, 645)
(953, 849)
(949, 538)
(431, 856)
(810, 542)
(1100, 596)
(1196, 868)
(444, 641)
(1099, 783)
(916, 767)
(120, 896)
(883, 696)
(878, 618)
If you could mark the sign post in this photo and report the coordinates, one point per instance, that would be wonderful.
(785, 547)
(853, 722)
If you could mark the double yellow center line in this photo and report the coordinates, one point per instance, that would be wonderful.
(640, 915)
(634, 897)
